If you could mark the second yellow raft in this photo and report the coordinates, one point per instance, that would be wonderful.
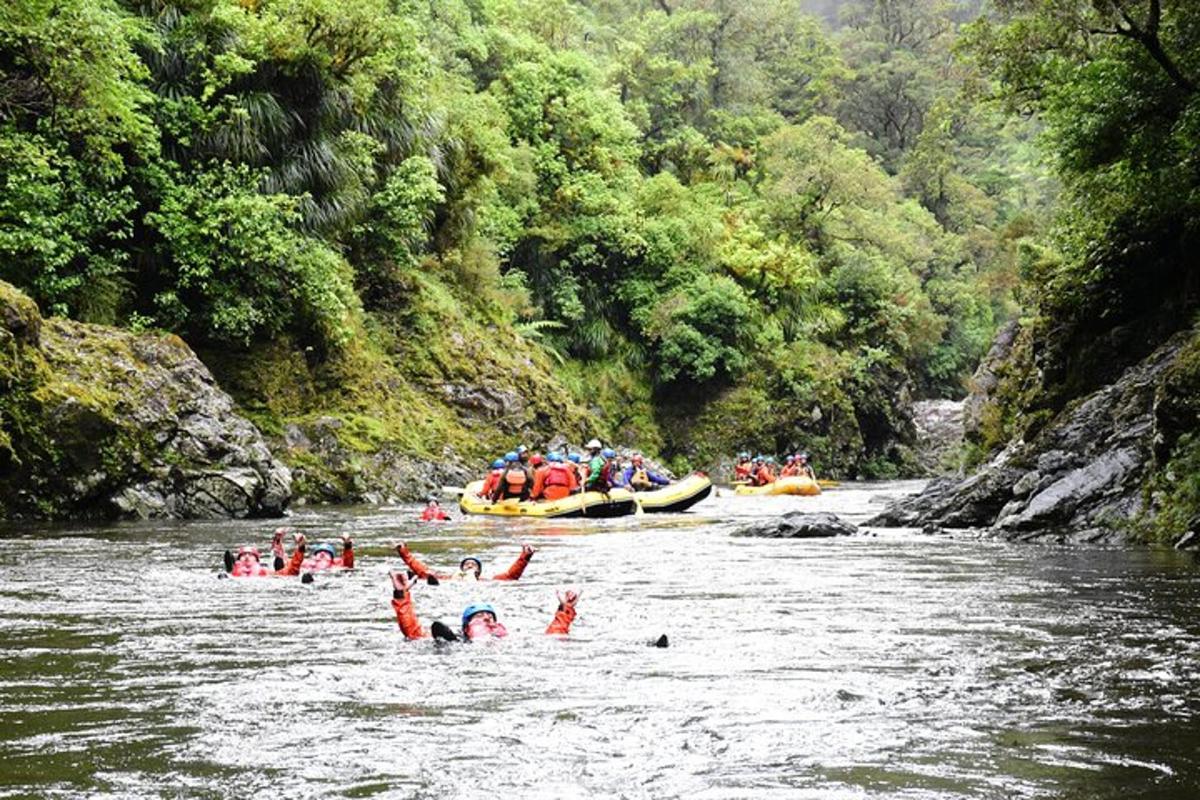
(790, 485)
(677, 496)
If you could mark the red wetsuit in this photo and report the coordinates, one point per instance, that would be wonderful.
(421, 571)
(406, 618)
(258, 570)
(295, 565)
(434, 514)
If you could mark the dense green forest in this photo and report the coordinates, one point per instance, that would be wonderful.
(692, 225)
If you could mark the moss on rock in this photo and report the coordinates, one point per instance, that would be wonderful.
(100, 422)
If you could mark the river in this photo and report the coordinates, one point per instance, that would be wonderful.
(888, 665)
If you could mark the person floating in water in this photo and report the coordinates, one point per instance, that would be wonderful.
(479, 620)
(247, 563)
(322, 558)
(470, 568)
(434, 512)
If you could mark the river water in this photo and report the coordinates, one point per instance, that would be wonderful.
(889, 665)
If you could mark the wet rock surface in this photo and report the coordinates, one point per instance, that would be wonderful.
(1080, 479)
(800, 525)
(987, 377)
(939, 425)
(102, 422)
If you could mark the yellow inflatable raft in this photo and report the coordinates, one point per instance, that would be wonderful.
(677, 496)
(790, 485)
(617, 503)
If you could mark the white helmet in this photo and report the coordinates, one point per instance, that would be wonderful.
(594, 444)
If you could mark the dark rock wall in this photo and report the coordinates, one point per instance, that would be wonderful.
(1081, 477)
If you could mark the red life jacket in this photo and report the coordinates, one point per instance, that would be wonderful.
(559, 475)
(515, 478)
(254, 570)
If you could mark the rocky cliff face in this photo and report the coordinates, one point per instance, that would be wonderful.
(939, 425)
(100, 422)
(1081, 477)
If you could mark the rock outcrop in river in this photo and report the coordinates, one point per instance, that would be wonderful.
(1081, 477)
(97, 421)
(800, 525)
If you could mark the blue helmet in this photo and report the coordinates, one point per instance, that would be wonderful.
(608, 452)
(510, 456)
(522, 449)
(555, 457)
(474, 609)
(324, 547)
(498, 463)
(575, 458)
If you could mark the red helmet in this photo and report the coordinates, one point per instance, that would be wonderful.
(535, 460)
(253, 551)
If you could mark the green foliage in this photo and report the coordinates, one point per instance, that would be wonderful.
(233, 259)
(681, 204)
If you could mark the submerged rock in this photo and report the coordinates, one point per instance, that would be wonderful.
(96, 421)
(800, 525)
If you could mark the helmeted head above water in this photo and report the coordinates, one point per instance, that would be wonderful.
(249, 551)
(471, 564)
(324, 547)
(476, 608)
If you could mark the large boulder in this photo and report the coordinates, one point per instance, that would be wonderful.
(1080, 478)
(800, 525)
(96, 421)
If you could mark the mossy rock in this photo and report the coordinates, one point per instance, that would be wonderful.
(1177, 401)
(19, 316)
(96, 421)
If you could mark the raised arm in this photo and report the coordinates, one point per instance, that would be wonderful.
(518, 567)
(411, 561)
(406, 617)
(293, 565)
(561, 624)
